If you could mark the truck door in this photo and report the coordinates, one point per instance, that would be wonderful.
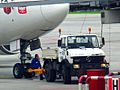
(62, 49)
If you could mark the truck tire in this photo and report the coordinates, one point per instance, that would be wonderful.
(66, 75)
(50, 74)
(18, 70)
(27, 74)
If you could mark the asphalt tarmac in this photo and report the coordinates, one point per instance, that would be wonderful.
(73, 24)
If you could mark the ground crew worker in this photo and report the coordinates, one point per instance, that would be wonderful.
(35, 64)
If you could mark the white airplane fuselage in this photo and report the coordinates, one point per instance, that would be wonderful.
(30, 22)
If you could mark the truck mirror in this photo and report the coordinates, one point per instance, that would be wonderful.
(59, 43)
(103, 40)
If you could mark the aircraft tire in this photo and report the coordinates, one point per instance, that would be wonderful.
(27, 74)
(18, 70)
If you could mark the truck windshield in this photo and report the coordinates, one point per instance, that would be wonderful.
(89, 41)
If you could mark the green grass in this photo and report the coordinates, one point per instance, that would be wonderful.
(87, 12)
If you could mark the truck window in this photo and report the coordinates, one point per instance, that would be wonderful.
(71, 39)
(83, 41)
(95, 44)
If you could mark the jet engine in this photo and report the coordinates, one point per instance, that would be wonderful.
(5, 50)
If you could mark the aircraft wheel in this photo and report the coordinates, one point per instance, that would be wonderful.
(18, 70)
(27, 74)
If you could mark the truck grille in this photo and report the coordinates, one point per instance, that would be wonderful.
(88, 59)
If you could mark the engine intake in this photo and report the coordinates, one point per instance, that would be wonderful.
(5, 50)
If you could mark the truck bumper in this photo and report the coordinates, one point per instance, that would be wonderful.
(83, 71)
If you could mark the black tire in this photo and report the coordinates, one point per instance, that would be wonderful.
(18, 70)
(27, 74)
(66, 75)
(50, 74)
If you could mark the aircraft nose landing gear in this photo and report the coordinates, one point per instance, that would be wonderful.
(20, 69)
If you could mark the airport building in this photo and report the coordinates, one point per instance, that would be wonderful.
(86, 6)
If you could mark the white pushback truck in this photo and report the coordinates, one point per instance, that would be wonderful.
(74, 55)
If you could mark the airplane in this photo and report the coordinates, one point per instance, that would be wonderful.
(22, 22)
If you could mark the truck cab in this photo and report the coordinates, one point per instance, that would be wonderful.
(70, 46)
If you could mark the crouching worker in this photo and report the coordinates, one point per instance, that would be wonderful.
(35, 64)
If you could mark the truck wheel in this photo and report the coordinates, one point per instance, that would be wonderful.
(27, 74)
(66, 75)
(18, 71)
(50, 74)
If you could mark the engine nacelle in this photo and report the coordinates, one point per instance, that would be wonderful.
(5, 50)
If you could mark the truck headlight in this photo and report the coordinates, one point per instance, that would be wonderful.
(76, 66)
(104, 65)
